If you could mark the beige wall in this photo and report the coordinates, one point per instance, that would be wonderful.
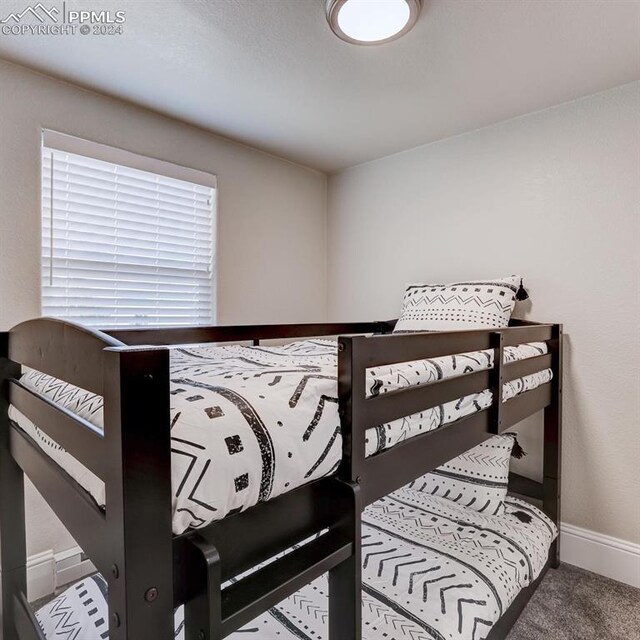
(555, 196)
(271, 214)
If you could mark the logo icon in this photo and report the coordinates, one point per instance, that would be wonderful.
(38, 11)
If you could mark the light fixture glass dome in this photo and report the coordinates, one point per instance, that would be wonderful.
(371, 21)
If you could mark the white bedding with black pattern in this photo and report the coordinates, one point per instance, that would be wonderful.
(432, 570)
(250, 423)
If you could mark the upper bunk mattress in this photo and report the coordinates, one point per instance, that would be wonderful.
(251, 423)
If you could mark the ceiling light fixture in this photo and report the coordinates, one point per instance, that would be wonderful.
(372, 21)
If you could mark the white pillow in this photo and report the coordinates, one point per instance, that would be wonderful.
(478, 478)
(82, 613)
(477, 304)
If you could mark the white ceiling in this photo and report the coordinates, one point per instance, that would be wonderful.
(271, 74)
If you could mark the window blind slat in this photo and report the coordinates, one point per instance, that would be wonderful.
(71, 182)
(134, 272)
(74, 237)
(123, 246)
(76, 219)
(132, 255)
(92, 180)
(141, 206)
(153, 192)
(89, 167)
(128, 227)
(114, 321)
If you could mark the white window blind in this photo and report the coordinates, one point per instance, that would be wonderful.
(123, 246)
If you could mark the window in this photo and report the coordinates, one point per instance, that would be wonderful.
(126, 240)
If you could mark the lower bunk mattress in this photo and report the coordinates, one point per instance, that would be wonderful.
(432, 570)
(251, 423)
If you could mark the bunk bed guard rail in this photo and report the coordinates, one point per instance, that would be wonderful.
(388, 470)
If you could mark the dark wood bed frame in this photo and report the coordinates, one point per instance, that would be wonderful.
(149, 570)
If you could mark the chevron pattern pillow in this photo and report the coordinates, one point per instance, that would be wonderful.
(477, 304)
(81, 612)
(477, 479)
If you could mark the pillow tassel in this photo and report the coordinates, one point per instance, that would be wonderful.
(522, 516)
(517, 452)
(521, 293)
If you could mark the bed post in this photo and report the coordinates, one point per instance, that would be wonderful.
(497, 381)
(138, 499)
(345, 580)
(203, 614)
(13, 558)
(553, 444)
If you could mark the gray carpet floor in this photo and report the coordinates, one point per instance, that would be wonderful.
(573, 604)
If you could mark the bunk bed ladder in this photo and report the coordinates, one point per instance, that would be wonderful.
(216, 612)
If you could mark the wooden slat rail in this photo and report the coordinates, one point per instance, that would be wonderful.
(521, 368)
(517, 322)
(390, 406)
(63, 350)
(80, 438)
(80, 514)
(525, 404)
(246, 539)
(514, 410)
(197, 567)
(405, 347)
(243, 333)
(526, 331)
(514, 336)
(242, 601)
(391, 469)
(405, 402)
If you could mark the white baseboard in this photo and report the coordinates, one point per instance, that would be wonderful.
(47, 571)
(41, 575)
(608, 556)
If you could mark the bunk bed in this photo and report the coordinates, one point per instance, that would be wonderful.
(151, 569)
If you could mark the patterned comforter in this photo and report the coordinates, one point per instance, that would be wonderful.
(432, 570)
(250, 423)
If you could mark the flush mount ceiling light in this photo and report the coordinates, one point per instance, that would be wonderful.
(372, 21)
